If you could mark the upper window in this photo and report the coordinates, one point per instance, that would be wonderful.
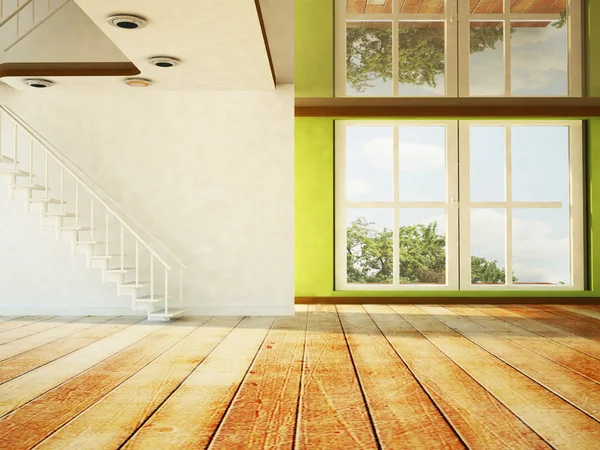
(418, 48)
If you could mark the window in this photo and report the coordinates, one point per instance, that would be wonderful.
(390, 48)
(409, 216)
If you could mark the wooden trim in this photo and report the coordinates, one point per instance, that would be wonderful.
(447, 300)
(68, 69)
(449, 107)
(265, 39)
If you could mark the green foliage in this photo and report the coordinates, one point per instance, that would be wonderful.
(562, 21)
(422, 256)
(420, 54)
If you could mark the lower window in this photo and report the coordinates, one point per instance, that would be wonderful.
(459, 205)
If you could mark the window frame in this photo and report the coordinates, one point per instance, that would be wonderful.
(457, 63)
(458, 275)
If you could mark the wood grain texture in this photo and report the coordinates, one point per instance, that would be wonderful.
(332, 411)
(68, 69)
(574, 360)
(557, 422)
(403, 414)
(113, 419)
(191, 415)
(33, 422)
(30, 360)
(34, 328)
(264, 411)
(572, 387)
(45, 337)
(480, 419)
(589, 311)
(20, 322)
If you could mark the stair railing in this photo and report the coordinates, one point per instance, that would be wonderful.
(26, 12)
(68, 167)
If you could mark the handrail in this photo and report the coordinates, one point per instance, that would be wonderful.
(59, 159)
(15, 12)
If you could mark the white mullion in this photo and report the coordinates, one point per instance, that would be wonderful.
(576, 210)
(387, 205)
(523, 17)
(395, 233)
(395, 74)
(341, 269)
(386, 17)
(464, 169)
(451, 50)
(507, 62)
(464, 54)
(517, 205)
(452, 207)
(508, 187)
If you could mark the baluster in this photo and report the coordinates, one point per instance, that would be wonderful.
(76, 203)
(62, 190)
(122, 243)
(46, 183)
(31, 162)
(166, 291)
(106, 235)
(151, 276)
(16, 143)
(92, 219)
(137, 262)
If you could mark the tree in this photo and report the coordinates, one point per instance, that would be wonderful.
(422, 256)
(420, 54)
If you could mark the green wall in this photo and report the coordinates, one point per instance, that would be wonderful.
(314, 169)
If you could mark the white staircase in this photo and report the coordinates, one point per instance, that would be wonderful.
(49, 184)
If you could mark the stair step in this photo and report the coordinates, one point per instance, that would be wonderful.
(31, 187)
(125, 270)
(75, 228)
(15, 172)
(6, 159)
(134, 285)
(149, 299)
(109, 256)
(88, 242)
(59, 214)
(44, 200)
(161, 316)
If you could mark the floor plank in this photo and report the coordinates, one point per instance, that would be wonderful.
(113, 419)
(21, 322)
(480, 419)
(9, 318)
(34, 421)
(572, 387)
(264, 411)
(583, 310)
(45, 337)
(34, 328)
(190, 416)
(25, 388)
(559, 423)
(32, 359)
(403, 414)
(575, 360)
(566, 338)
(332, 411)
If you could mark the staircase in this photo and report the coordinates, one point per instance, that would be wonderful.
(82, 215)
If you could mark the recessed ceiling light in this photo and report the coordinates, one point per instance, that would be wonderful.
(38, 83)
(164, 61)
(127, 21)
(138, 82)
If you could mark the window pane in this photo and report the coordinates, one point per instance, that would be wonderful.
(369, 164)
(421, 58)
(422, 6)
(369, 254)
(486, 6)
(488, 246)
(369, 6)
(422, 238)
(488, 164)
(369, 58)
(486, 76)
(538, 6)
(422, 161)
(539, 58)
(541, 245)
(540, 164)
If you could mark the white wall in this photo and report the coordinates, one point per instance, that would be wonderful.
(210, 174)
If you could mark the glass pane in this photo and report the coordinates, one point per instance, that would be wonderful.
(540, 164)
(369, 6)
(369, 58)
(541, 246)
(369, 164)
(539, 58)
(486, 76)
(369, 254)
(421, 58)
(422, 238)
(488, 246)
(422, 6)
(488, 164)
(486, 6)
(538, 6)
(422, 157)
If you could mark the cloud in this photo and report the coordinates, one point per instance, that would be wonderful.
(378, 154)
(356, 187)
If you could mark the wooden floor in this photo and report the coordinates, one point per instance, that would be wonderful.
(332, 377)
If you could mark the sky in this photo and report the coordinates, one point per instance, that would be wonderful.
(540, 173)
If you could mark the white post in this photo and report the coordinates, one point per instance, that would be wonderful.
(16, 144)
(62, 190)
(76, 203)
(122, 240)
(92, 219)
(166, 291)
(106, 235)
(31, 161)
(46, 174)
